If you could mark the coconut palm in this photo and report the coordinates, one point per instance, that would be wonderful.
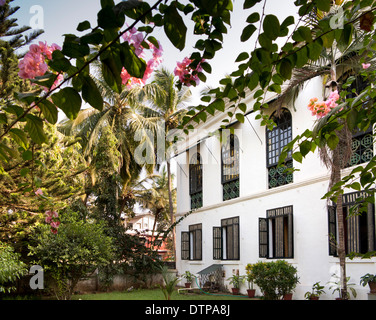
(168, 104)
(155, 198)
(124, 114)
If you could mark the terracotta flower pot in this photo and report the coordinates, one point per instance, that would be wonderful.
(314, 298)
(372, 286)
(187, 284)
(287, 296)
(235, 291)
(251, 293)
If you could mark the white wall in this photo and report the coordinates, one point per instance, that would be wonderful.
(310, 217)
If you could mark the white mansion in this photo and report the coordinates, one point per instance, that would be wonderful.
(245, 209)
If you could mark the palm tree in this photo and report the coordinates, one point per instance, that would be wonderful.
(168, 104)
(156, 197)
(333, 61)
(123, 114)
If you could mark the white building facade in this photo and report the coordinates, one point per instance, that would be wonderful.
(246, 210)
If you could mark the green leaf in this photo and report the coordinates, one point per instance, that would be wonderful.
(49, 111)
(247, 32)
(323, 5)
(34, 126)
(91, 94)
(305, 147)
(111, 69)
(241, 57)
(314, 50)
(240, 117)
(69, 101)
(328, 39)
(254, 17)
(332, 141)
(352, 119)
(73, 48)
(250, 3)
(85, 25)
(27, 155)
(24, 172)
(174, 27)
(346, 37)
(243, 107)
(133, 64)
(271, 26)
(218, 104)
(284, 68)
(20, 137)
(297, 156)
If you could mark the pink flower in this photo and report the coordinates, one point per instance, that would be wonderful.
(2, 2)
(39, 192)
(34, 63)
(186, 74)
(136, 39)
(321, 109)
(366, 65)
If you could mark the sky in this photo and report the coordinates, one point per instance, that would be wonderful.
(61, 17)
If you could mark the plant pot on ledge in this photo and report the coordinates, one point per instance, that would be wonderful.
(187, 284)
(287, 296)
(372, 287)
(251, 293)
(235, 291)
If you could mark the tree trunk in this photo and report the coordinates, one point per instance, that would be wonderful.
(171, 205)
(341, 224)
(337, 165)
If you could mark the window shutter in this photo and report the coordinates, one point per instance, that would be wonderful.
(263, 238)
(217, 243)
(185, 245)
(371, 226)
(198, 244)
(332, 230)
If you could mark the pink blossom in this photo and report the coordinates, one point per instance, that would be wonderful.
(135, 39)
(34, 63)
(39, 192)
(52, 220)
(321, 109)
(186, 74)
(366, 65)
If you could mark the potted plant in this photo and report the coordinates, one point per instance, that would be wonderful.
(336, 286)
(236, 280)
(189, 278)
(317, 290)
(288, 279)
(250, 278)
(369, 279)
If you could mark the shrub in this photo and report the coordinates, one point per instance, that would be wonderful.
(76, 250)
(275, 278)
(11, 268)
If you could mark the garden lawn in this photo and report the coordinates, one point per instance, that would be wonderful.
(155, 294)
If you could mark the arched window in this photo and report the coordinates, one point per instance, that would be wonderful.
(195, 181)
(230, 167)
(276, 140)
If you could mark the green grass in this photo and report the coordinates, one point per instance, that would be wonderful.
(155, 294)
